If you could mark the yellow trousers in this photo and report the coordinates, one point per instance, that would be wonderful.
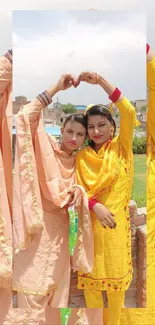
(112, 314)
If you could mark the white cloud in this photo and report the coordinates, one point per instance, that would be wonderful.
(82, 46)
(80, 4)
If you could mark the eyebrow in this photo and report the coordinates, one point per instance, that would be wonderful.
(98, 123)
(77, 132)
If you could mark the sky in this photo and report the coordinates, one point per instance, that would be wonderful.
(5, 32)
(75, 5)
(50, 43)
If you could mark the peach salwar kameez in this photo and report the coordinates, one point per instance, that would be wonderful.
(5, 182)
(79, 316)
(43, 175)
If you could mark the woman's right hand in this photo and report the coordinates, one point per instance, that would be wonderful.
(104, 216)
(66, 81)
(89, 77)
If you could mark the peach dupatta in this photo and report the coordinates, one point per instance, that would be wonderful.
(5, 170)
(43, 175)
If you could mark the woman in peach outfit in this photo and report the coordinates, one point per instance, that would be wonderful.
(44, 177)
(5, 181)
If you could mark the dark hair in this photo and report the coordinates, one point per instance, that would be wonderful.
(102, 110)
(113, 123)
(80, 118)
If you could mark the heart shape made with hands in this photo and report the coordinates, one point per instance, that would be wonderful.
(86, 76)
(76, 82)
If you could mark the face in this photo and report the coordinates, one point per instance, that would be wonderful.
(73, 135)
(99, 129)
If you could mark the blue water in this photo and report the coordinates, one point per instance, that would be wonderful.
(55, 130)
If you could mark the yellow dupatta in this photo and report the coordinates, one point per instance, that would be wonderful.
(96, 172)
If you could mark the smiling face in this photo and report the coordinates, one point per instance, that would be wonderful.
(73, 135)
(99, 129)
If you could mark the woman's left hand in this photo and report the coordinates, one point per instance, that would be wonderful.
(75, 197)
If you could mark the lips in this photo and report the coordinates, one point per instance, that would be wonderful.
(73, 143)
(98, 137)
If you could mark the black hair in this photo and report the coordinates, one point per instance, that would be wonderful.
(113, 123)
(80, 118)
(102, 110)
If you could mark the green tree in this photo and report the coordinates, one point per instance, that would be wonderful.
(69, 108)
(143, 108)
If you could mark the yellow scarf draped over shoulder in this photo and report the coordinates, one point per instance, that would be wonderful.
(96, 172)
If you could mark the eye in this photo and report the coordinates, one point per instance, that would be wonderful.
(90, 127)
(70, 131)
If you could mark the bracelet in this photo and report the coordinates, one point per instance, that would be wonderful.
(115, 95)
(91, 203)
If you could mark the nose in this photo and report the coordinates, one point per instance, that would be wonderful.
(96, 130)
(74, 138)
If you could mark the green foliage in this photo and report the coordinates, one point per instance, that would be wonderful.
(139, 145)
(69, 108)
(140, 200)
(139, 183)
(143, 108)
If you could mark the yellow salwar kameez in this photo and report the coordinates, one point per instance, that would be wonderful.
(147, 316)
(107, 176)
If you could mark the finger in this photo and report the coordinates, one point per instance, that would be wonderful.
(70, 203)
(108, 222)
(105, 222)
(111, 217)
(77, 82)
(82, 76)
(111, 221)
(103, 225)
(66, 86)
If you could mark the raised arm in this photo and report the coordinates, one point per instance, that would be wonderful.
(35, 107)
(151, 91)
(127, 111)
(5, 71)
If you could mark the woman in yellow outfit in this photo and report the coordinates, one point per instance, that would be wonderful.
(105, 170)
(147, 316)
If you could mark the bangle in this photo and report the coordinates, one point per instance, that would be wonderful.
(115, 95)
(8, 55)
(91, 203)
(44, 98)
